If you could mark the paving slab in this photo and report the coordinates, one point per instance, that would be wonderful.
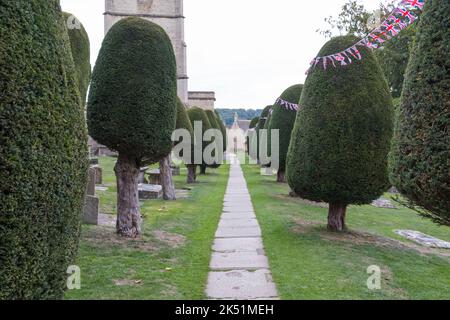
(239, 215)
(238, 223)
(233, 232)
(237, 244)
(248, 260)
(241, 285)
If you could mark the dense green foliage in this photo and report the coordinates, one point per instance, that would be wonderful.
(283, 119)
(132, 101)
(80, 47)
(422, 146)
(394, 57)
(342, 133)
(183, 122)
(227, 115)
(43, 151)
(223, 129)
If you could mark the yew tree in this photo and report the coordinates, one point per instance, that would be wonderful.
(421, 148)
(283, 119)
(132, 107)
(43, 152)
(342, 134)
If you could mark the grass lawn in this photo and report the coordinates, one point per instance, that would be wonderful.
(307, 262)
(171, 261)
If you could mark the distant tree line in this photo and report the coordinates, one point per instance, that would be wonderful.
(227, 115)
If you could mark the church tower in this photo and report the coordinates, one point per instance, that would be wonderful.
(166, 13)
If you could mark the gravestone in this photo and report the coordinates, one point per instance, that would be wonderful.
(142, 178)
(91, 203)
(383, 203)
(98, 174)
(423, 239)
(150, 191)
(154, 177)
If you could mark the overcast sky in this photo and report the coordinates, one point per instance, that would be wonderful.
(247, 51)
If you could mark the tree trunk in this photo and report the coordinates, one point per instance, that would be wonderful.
(281, 177)
(203, 169)
(128, 212)
(166, 179)
(192, 173)
(336, 217)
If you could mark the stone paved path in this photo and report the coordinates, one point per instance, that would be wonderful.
(239, 268)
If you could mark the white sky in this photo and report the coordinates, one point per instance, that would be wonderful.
(247, 51)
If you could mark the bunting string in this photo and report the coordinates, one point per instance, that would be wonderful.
(400, 18)
(288, 105)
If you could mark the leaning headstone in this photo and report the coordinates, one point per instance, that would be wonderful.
(383, 203)
(141, 178)
(91, 203)
(98, 174)
(423, 239)
(154, 176)
(150, 191)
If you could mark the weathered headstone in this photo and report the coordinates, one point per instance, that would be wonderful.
(141, 178)
(98, 174)
(154, 177)
(383, 203)
(150, 191)
(90, 191)
(423, 239)
(91, 204)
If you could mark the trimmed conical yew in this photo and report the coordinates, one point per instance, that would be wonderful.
(132, 106)
(199, 115)
(421, 148)
(283, 119)
(43, 151)
(80, 47)
(341, 137)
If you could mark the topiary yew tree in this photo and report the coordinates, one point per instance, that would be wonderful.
(342, 133)
(214, 125)
(132, 107)
(43, 151)
(223, 129)
(421, 146)
(80, 48)
(183, 122)
(261, 123)
(283, 119)
(199, 115)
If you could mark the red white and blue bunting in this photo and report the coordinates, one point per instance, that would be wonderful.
(402, 16)
(286, 104)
